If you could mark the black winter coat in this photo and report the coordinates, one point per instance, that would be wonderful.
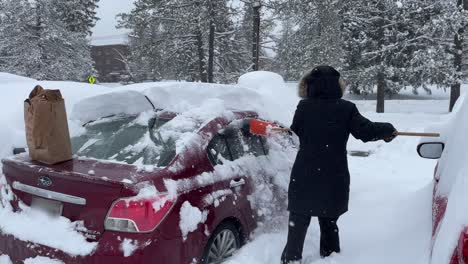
(320, 179)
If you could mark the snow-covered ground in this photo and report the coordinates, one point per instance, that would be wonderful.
(390, 205)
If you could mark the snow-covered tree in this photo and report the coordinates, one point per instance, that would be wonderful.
(35, 42)
(184, 39)
(310, 35)
(393, 44)
(78, 15)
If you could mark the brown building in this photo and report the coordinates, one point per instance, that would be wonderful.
(108, 62)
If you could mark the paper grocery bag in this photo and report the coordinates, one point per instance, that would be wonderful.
(47, 131)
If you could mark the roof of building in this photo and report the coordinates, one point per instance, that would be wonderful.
(117, 39)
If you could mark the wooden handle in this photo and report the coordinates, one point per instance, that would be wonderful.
(409, 134)
(413, 134)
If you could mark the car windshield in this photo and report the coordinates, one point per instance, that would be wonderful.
(130, 139)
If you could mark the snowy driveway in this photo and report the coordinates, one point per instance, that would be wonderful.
(390, 205)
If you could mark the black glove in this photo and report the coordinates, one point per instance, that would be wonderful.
(391, 137)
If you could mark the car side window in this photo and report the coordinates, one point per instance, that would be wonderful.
(218, 150)
(234, 141)
(253, 144)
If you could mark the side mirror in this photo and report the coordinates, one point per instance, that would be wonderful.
(17, 151)
(431, 150)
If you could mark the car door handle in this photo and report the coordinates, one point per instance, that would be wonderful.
(237, 183)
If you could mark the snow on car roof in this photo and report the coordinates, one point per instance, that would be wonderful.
(263, 92)
(115, 103)
(201, 100)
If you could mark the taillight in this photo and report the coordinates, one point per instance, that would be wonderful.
(463, 247)
(138, 214)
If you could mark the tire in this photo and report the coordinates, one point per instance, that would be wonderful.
(232, 242)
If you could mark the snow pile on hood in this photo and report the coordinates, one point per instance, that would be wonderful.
(453, 172)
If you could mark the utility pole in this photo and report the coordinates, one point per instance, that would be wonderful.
(256, 34)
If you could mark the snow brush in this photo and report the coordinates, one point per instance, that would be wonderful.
(263, 128)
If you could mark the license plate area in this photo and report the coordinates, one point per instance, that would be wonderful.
(52, 208)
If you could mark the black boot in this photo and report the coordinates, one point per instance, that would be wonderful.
(329, 236)
(298, 225)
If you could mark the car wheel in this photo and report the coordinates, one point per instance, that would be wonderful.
(224, 242)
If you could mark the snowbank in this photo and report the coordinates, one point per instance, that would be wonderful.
(11, 78)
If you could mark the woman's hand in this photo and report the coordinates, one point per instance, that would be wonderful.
(392, 137)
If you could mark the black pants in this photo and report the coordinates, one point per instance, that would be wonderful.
(298, 225)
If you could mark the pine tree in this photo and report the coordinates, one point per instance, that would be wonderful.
(183, 39)
(310, 35)
(35, 42)
(78, 15)
(393, 44)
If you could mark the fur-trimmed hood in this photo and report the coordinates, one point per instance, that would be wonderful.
(322, 82)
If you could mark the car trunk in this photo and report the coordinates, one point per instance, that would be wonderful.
(81, 190)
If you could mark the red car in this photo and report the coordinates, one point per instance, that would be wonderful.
(434, 150)
(105, 195)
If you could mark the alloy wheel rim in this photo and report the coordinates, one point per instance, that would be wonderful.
(224, 245)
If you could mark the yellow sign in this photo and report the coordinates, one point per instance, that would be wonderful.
(91, 80)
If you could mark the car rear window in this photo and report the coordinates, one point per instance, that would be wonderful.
(128, 139)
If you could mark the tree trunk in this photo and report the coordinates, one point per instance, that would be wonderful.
(201, 58)
(381, 84)
(211, 43)
(458, 43)
(256, 38)
(380, 93)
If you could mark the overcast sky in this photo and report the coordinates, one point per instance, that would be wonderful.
(107, 11)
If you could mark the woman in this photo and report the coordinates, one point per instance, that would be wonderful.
(320, 179)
